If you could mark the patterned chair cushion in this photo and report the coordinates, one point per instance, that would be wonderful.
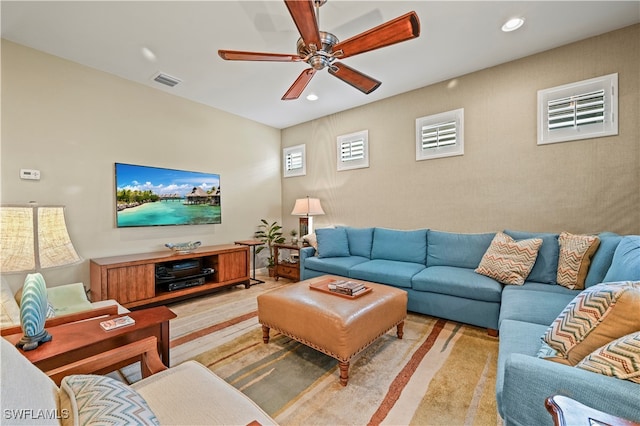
(102, 400)
(595, 317)
(575, 256)
(509, 261)
(620, 358)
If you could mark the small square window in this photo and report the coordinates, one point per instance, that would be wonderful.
(583, 110)
(294, 161)
(440, 135)
(353, 151)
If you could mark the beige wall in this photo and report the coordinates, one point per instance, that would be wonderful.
(504, 180)
(73, 123)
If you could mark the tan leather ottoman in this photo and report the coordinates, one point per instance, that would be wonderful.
(337, 326)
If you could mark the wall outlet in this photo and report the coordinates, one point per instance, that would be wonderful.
(30, 174)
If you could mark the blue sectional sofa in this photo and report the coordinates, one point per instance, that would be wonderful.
(437, 270)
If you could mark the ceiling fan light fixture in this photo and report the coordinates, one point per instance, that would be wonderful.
(512, 24)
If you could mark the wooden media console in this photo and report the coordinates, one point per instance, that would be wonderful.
(132, 279)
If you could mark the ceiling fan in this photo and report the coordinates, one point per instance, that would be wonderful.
(320, 49)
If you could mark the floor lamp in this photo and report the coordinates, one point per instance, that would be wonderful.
(34, 238)
(306, 208)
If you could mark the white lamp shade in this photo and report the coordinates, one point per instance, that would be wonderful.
(34, 238)
(307, 207)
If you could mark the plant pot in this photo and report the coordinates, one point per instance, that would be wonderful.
(272, 272)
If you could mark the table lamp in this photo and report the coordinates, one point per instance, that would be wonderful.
(34, 238)
(306, 208)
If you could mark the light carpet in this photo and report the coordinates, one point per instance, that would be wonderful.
(440, 373)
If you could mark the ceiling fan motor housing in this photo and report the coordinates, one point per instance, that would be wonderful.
(320, 58)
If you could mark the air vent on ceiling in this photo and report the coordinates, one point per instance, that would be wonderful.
(166, 79)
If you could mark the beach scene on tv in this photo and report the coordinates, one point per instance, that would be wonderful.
(153, 196)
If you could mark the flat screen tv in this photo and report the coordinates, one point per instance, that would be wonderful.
(154, 196)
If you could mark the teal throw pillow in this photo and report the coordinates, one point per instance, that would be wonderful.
(625, 265)
(360, 241)
(332, 242)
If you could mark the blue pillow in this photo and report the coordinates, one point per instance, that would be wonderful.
(332, 242)
(360, 241)
(625, 265)
(545, 270)
(601, 261)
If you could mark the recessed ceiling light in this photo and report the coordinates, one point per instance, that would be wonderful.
(312, 97)
(148, 54)
(512, 24)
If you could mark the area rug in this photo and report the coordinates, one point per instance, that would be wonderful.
(440, 373)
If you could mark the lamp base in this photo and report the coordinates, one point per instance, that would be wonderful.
(28, 343)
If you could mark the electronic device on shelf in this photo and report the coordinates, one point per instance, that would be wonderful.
(181, 274)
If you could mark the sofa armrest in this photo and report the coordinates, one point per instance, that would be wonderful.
(305, 252)
(145, 351)
(529, 381)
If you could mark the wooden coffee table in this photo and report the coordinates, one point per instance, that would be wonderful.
(79, 340)
(338, 326)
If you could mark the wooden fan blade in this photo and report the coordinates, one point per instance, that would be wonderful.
(360, 81)
(237, 55)
(298, 86)
(395, 31)
(304, 16)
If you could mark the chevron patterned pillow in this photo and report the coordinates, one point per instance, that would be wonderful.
(575, 256)
(509, 261)
(595, 317)
(620, 358)
(103, 400)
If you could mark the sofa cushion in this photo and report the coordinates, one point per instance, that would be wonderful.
(546, 266)
(392, 272)
(625, 265)
(404, 246)
(68, 298)
(620, 358)
(574, 259)
(103, 400)
(597, 316)
(360, 241)
(334, 265)
(461, 282)
(203, 398)
(601, 260)
(508, 261)
(535, 306)
(460, 250)
(332, 242)
(24, 386)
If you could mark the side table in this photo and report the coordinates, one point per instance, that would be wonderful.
(80, 340)
(253, 244)
(286, 269)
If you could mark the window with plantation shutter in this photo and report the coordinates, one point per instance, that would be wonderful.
(294, 161)
(353, 151)
(582, 110)
(440, 135)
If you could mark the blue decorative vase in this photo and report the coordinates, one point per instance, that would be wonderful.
(33, 312)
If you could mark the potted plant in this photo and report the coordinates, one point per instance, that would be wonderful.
(269, 234)
(294, 236)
